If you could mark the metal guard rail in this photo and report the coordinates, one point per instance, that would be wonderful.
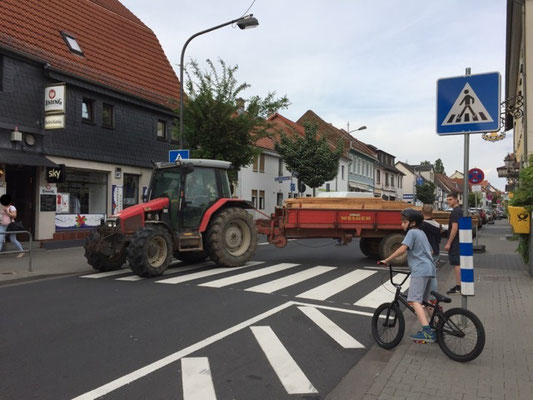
(7, 233)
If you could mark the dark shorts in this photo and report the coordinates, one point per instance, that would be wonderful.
(454, 255)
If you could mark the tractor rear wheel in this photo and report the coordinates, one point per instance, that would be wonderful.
(231, 237)
(150, 251)
(98, 260)
(191, 256)
(389, 244)
(369, 247)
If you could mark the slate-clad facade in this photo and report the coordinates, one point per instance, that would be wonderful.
(119, 101)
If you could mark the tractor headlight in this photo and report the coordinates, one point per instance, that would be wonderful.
(111, 223)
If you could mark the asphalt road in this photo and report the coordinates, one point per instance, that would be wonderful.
(289, 334)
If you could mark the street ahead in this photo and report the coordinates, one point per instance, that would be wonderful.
(290, 324)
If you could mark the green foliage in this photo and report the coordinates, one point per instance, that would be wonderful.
(426, 193)
(439, 166)
(523, 197)
(214, 127)
(472, 198)
(311, 158)
(425, 163)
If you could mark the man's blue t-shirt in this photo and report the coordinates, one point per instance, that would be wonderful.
(419, 253)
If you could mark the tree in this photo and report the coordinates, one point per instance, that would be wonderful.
(214, 126)
(426, 193)
(472, 198)
(425, 163)
(439, 166)
(311, 159)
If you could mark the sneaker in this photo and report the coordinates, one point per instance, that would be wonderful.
(454, 290)
(425, 335)
(19, 255)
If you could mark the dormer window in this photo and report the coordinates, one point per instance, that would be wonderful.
(72, 43)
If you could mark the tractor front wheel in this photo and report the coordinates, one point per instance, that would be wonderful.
(150, 251)
(99, 261)
(389, 244)
(232, 237)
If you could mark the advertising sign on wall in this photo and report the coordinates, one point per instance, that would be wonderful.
(54, 99)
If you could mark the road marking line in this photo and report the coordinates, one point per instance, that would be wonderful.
(331, 328)
(201, 274)
(131, 278)
(381, 295)
(290, 280)
(248, 275)
(132, 376)
(289, 373)
(108, 273)
(335, 286)
(197, 380)
(172, 271)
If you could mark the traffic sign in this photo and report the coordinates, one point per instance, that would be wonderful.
(475, 176)
(293, 187)
(489, 196)
(419, 181)
(174, 155)
(468, 104)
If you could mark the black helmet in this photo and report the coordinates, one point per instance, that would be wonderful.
(413, 215)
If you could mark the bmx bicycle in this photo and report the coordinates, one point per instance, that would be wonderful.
(460, 333)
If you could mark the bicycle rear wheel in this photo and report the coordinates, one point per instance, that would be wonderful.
(388, 325)
(460, 334)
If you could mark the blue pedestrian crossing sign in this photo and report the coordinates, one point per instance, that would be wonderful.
(468, 104)
(174, 155)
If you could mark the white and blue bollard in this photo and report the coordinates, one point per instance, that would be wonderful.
(466, 251)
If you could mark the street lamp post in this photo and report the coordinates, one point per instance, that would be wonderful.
(245, 22)
(361, 128)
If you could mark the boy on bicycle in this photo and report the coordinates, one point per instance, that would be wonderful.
(422, 269)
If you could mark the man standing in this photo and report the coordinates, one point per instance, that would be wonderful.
(452, 245)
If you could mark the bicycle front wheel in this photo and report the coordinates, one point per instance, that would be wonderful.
(388, 325)
(460, 334)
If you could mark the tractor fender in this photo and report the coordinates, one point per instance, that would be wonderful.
(220, 205)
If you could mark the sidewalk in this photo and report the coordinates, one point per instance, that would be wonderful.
(503, 302)
(44, 263)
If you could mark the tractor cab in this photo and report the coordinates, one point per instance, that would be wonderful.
(192, 186)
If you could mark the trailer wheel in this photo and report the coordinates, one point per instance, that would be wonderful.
(150, 251)
(231, 237)
(369, 247)
(388, 245)
(191, 257)
(98, 260)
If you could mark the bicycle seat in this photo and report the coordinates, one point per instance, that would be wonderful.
(441, 298)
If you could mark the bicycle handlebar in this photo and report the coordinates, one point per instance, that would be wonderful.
(406, 273)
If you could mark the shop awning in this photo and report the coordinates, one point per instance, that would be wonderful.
(17, 157)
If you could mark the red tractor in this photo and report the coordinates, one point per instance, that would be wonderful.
(189, 214)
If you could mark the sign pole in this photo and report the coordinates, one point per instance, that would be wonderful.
(465, 184)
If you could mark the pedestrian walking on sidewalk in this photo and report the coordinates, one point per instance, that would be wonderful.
(8, 214)
(452, 245)
(422, 269)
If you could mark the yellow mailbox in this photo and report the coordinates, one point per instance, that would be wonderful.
(520, 219)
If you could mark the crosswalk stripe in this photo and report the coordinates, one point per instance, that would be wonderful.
(169, 271)
(248, 275)
(131, 278)
(335, 286)
(331, 328)
(382, 294)
(290, 280)
(289, 373)
(201, 274)
(106, 274)
(196, 379)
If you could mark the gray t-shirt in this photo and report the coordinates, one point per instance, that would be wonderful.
(419, 253)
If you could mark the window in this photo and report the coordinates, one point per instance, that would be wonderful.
(280, 167)
(342, 171)
(378, 176)
(392, 177)
(386, 179)
(72, 43)
(254, 198)
(261, 199)
(259, 163)
(400, 181)
(279, 200)
(108, 117)
(83, 192)
(161, 130)
(87, 110)
(358, 166)
(131, 190)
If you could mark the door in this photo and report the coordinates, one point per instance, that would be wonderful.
(20, 184)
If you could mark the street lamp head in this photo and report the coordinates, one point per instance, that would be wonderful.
(362, 128)
(247, 22)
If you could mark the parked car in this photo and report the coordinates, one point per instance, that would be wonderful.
(477, 213)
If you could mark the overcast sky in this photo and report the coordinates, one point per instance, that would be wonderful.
(363, 62)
